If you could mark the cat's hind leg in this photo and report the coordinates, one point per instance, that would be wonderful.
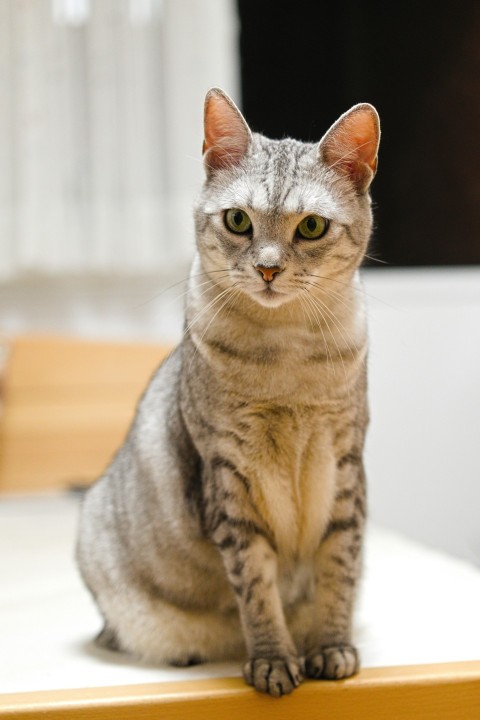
(107, 639)
(157, 631)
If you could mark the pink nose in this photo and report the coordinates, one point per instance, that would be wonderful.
(268, 273)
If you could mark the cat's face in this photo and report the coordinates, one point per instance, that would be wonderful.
(278, 217)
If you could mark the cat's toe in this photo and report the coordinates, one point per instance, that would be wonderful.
(332, 663)
(275, 676)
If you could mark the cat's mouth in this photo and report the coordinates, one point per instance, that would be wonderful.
(270, 297)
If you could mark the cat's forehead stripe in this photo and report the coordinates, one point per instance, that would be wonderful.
(281, 177)
(291, 199)
(279, 172)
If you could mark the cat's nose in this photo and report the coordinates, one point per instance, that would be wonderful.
(268, 273)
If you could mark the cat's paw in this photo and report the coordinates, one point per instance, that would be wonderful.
(332, 663)
(275, 676)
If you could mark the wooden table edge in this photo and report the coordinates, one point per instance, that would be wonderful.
(444, 691)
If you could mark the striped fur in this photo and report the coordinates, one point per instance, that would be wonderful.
(230, 522)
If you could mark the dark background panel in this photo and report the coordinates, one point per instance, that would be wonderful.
(304, 63)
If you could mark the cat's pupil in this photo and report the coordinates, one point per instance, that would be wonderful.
(311, 224)
(238, 217)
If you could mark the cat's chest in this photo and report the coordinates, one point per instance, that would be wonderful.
(288, 455)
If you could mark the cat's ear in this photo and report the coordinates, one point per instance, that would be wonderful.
(350, 147)
(227, 135)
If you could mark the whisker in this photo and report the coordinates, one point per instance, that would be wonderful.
(305, 314)
(229, 292)
(330, 293)
(339, 299)
(361, 290)
(175, 284)
(205, 290)
(316, 310)
(378, 260)
(340, 327)
(340, 282)
(205, 309)
(237, 293)
(227, 299)
(315, 300)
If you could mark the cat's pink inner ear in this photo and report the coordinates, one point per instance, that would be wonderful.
(227, 135)
(351, 145)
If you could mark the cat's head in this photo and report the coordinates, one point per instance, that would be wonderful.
(278, 217)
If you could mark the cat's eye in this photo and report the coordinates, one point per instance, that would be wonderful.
(237, 221)
(312, 227)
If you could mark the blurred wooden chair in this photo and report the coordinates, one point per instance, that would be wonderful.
(67, 404)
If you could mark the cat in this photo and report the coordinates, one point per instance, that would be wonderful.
(230, 522)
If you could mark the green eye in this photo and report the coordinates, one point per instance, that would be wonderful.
(312, 227)
(238, 221)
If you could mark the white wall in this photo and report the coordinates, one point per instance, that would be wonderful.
(105, 308)
(423, 456)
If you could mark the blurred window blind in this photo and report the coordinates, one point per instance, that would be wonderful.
(101, 107)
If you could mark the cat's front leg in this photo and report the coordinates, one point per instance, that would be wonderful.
(273, 665)
(330, 653)
(250, 560)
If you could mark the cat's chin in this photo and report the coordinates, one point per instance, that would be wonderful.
(270, 298)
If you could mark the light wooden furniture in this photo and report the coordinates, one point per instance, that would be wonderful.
(426, 692)
(67, 406)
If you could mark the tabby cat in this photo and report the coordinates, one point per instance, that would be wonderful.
(230, 522)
